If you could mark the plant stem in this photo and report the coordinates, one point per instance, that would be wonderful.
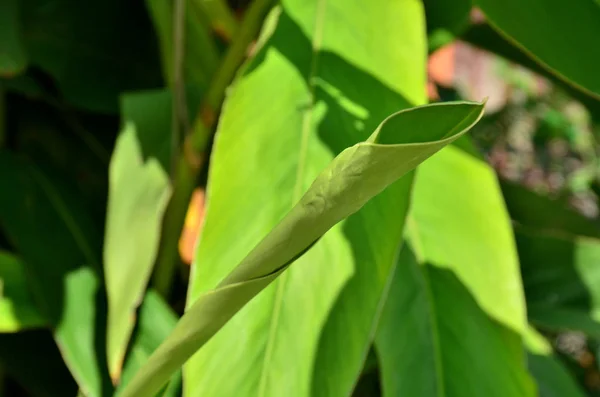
(221, 18)
(193, 157)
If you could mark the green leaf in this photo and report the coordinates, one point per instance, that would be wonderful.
(53, 233)
(539, 212)
(467, 229)
(17, 309)
(486, 38)
(560, 36)
(33, 360)
(13, 57)
(458, 306)
(137, 199)
(552, 377)
(561, 279)
(435, 339)
(93, 52)
(334, 86)
(356, 175)
(156, 321)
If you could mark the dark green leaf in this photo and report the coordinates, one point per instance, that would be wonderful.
(53, 233)
(13, 57)
(32, 359)
(435, 339)
(17, 309)
(560, 35)
(94, 51)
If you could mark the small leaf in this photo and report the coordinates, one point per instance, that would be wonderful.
(356, 175)
(138, 195)
(17, 309)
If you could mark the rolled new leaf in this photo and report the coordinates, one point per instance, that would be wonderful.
(398, 145)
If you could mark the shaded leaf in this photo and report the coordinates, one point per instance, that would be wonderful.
(334, 86)
(356, 175)
(53, 233)
(558, 35)
(32, 359)
(561, 279)
(13, 57)
(17, 309)
(536, 211)
(93, 51)
(137, 199)
(434, 339)
(150, 112)
(552, 377)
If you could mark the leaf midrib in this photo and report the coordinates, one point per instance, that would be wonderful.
(298, 189)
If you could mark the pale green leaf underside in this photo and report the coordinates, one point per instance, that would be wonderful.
(138, 194)
(355, 176)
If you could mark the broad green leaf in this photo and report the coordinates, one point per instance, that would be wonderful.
(93, 52)
(467, 229)
(17, 309)
(560, 35)
(13, 57)
(33, 360)
(562, 281)
(156, 321)
(435, 339)
(552, 377)
(137, 198)
(334, 86)
(356, 175)
(533, 210)
(52, 231)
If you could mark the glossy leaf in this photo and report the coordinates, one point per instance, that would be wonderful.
(17, 308)
(334, 86)
(13, 56)
(561, 278)
(455, 314)
(138, 194)
(53, 233)
(558, 35)
(435, 339)
(156, 321)
(355, 176)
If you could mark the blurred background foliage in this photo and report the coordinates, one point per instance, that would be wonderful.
(73, 74)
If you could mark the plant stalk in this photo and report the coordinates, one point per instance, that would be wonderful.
(193, 157)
